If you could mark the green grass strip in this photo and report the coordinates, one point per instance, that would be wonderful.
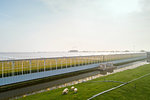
(86, 90)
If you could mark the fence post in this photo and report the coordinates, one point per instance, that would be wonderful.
(38, 66)
(22, 67)
(30, 66)
(70, 63)
(2, 69)
(66, 62)
(61, 63)
(12, 68)
(88, 60)
(56, 63)
(103, 58)
(93, 60)
(96, 59)
(50, 65)
(44, 65)
(82, 60)
(85, 61)
(78, 61)
(75, 61)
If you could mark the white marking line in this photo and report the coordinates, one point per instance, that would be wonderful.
(118, 86)
(106, 91)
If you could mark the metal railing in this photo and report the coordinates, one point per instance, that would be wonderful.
(27, 66)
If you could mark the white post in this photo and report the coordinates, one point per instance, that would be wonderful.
(88, 60)
(61, 63)
(70, 63)
(103, 58)
(99, 59)
(30, 66)
(56, 63)
(44, 65)
(66, 62)
(50, 65)
(12, 68)
(38, 66)
(93, 60)
(85, 61)
(82, 60)
(22, 67)
(2, 69)
(96, 59)
(110, 58)
(78, 61)
(75, 61)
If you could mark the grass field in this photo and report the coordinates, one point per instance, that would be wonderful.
(136, 90)
(10, 68)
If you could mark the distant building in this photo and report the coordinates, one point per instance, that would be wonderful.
(73, 51)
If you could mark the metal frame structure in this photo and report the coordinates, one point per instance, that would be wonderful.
(14, 69)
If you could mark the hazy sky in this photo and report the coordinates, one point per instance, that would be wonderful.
(60, 25)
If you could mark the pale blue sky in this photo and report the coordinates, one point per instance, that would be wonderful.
(60, 25)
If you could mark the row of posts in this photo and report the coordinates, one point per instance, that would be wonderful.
(88, 59)
(30, 64)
